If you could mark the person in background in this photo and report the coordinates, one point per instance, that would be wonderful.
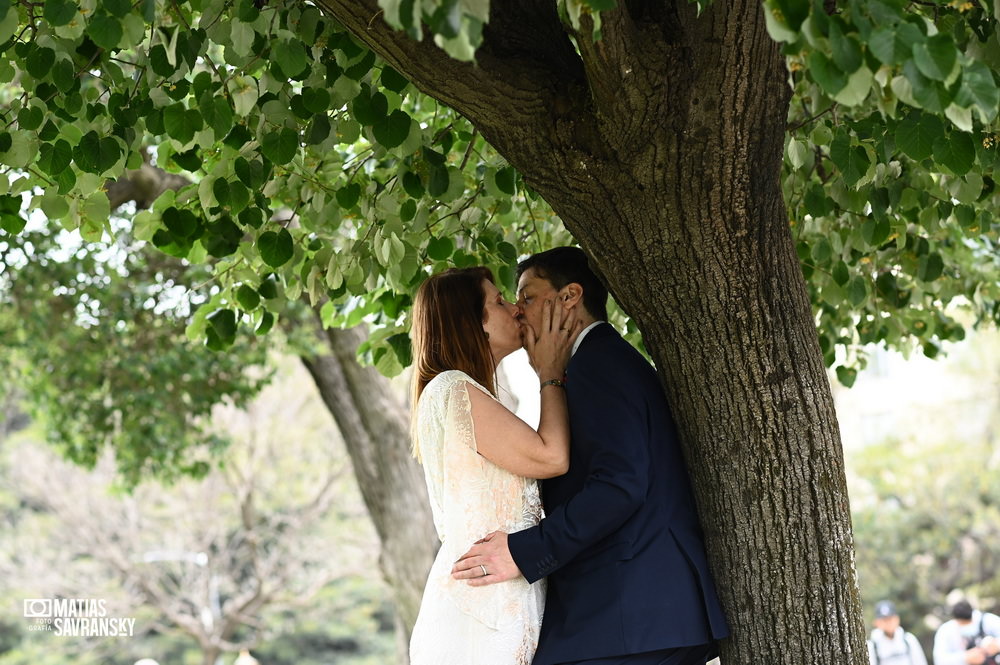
(889, 643)
(970, 638)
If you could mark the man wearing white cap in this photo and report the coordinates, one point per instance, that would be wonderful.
(890, 644)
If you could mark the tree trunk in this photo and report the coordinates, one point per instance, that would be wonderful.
(374, 423)
(660, 148)
(210, 655)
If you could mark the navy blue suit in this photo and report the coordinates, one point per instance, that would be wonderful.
(621, 543)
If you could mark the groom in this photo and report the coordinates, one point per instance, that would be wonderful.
(628, 581)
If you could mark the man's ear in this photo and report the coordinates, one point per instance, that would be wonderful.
(570, 295)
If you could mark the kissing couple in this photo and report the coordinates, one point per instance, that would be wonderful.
(603, 561)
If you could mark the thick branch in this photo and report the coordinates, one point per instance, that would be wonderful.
(526, 72)
(143, 185)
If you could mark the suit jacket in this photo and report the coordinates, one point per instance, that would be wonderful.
(621, 543)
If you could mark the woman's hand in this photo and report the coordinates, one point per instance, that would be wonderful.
(550, 348)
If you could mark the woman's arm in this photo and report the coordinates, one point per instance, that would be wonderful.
(508, 441)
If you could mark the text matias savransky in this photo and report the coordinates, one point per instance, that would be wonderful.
(77, 617)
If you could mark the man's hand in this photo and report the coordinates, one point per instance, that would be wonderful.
(991, 645)
(489, 555)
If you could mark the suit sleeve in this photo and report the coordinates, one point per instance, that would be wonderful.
(609, 420)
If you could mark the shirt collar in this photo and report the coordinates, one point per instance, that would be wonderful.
(583, 333)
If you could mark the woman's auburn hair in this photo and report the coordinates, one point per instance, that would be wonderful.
(447, 329)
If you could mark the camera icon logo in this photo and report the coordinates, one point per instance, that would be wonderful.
(37, 608)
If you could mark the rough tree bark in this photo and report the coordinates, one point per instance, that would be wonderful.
(374, 424)
(660, 148)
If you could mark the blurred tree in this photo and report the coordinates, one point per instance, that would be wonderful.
(927, 522)
(926, 506)
(217, 558)
(136, 384)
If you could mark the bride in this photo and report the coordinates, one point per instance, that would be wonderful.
(480, 460)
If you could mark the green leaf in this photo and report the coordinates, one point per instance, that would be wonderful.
(916, 134)
(266, 322)
(59, 12)
(290, 55)
(223, 323)
(65, 181)
(826, 73)
(247, 297)
(250, 173)
(189, 160)
(54, 157)
(181, 123)
(30, 118)
(393, 80)
(318, 130)
(956, 151)
(280, 147)
(216, 113)
(794, 12)
(159, 61)
(846, 375)
(239, 196)
(95, 154)
(931, 267)
(369, 108)
(893, 45)
(268, 287)
(10, 214)
(840, 274)
(105, 31)
(247, 11)
(316, 100)
(412, 185)
(182, 224)
(506, 180)
(117, 8)
(857, 292)
(275, 248)
(393, 130)
(936, 57)
(64, 75)
(439, 180)
(440, 249)
(39, 62)
(852, 161)
(978, 87)
(929, 94)
(888, 289)
(220, 188)
(846, 49)
(349, 195)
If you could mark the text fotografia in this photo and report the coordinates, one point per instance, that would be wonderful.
(76, 617)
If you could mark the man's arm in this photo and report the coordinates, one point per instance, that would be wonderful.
(614, 426)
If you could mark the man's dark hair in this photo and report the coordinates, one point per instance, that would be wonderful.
(962, 610)
(566, 265)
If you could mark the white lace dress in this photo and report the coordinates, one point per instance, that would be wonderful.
(470, 497)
